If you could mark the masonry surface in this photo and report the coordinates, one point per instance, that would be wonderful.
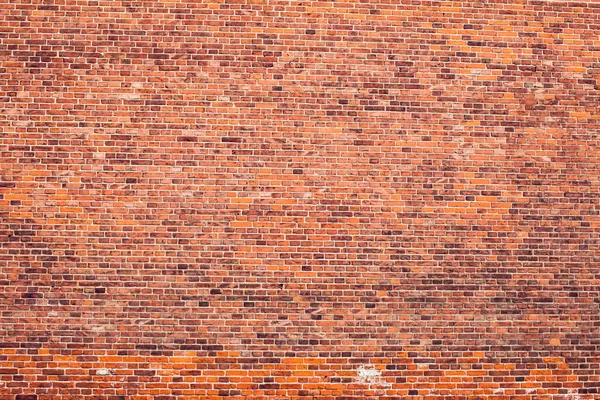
(299, 199)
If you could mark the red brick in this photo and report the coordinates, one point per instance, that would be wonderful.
(285, 199)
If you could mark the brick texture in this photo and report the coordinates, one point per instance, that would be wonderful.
(299, 199)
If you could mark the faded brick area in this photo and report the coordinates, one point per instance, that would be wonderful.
(299, 199)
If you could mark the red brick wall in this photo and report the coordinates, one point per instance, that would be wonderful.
(299, 199)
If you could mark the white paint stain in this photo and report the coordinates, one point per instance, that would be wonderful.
(105, 371)
(368, 374)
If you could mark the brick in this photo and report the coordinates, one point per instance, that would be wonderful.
(279, 199)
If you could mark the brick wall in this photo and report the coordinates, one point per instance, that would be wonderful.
(299, 199)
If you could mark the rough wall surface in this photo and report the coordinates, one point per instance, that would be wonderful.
(299, 199)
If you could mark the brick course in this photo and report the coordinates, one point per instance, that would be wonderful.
(299, 199)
